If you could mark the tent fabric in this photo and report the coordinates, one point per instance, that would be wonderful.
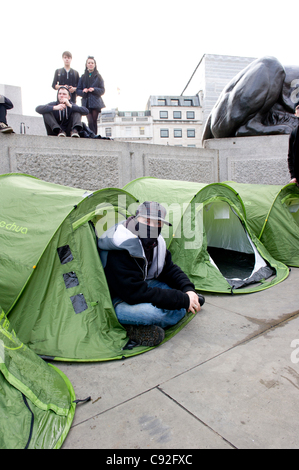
(37, 401)
(273, 215)
(52, 284)
(189, 207)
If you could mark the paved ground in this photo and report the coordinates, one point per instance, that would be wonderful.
(229, 379)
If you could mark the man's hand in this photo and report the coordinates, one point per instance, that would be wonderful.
(67, 103)
(59, 107)
(194, 305)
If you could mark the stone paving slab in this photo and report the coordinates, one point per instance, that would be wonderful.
(210, 333)
(248, 395)
(149, 421)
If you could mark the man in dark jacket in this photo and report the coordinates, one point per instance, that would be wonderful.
(149, 292)
(293, 154)
(62, 117)
(66, 76)
(5, 104)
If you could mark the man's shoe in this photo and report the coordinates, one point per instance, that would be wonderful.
(145, 335)
(201, 299)
(75, 134)
(5, 129)
(62, 134)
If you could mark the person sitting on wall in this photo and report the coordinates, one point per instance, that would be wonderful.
(149, 292)
(62, 117)
(293, 153)
(5, 104)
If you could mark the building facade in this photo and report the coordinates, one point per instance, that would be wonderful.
(126, 126)
(167, 120)
(177, 120)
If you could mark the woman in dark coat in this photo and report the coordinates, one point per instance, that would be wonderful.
(91, 88)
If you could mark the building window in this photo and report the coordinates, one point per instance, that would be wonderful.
(164, 133)
(190, 132)
(174, 102)
(177, 133)
(141, 131)
(187, 102)
(163, 114)
(161, 102)
(177, 115)
(128, 131)
(190, 115)
(108, 131)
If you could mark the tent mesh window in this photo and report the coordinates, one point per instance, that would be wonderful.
(65, 254)
(70, 280)
(79, 303)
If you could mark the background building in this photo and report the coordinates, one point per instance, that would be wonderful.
(21, 124)
(126, 126)
(177, 120)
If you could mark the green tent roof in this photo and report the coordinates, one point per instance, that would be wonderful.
(52, 284)
(188, 204)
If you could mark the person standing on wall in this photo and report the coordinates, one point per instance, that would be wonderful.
(66, 76)
(91, 88)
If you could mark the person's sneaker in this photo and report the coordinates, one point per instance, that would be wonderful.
(75, 134)
(201, 299)
(5, 129)
(145, 335)
(62, 134)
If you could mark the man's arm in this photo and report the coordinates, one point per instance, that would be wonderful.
(45, 108)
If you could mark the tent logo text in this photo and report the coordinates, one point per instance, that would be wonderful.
(13, 227)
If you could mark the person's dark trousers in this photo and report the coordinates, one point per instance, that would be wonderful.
(92, 118)
(3, 114)
(53, 127)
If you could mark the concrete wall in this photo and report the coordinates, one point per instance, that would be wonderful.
(95, 164)
(256, 160)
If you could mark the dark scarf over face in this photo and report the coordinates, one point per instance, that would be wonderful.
(148, 235)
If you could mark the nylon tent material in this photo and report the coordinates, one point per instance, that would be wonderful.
(37, 401)
(52, 284)
(273, 215)
(208, 221)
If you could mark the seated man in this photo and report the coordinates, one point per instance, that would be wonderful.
(5, 104)
(149, 292)
(62, 117)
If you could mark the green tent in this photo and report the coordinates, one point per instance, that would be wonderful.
(37, 401)
(52, 284)
(273, 215)
(210, 238)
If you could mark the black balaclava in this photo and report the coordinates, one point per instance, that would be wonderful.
(147, 234)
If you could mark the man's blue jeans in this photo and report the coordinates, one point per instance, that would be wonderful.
(146, 313)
